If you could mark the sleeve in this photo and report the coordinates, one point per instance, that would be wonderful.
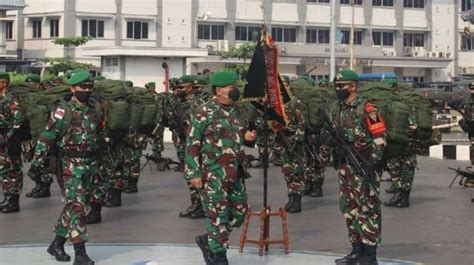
(18, 118)
(194, 140)
(47, 140)
(301, 123)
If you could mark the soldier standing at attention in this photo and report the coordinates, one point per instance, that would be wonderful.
(10, 154)
(214, 165)
(74, 128)
(359, 195)
(467, 125)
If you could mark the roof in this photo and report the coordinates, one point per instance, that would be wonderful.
(12, 4)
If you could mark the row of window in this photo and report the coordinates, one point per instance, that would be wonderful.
(406, 3)
(90, 27)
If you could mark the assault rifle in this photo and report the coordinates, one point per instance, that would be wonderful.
(176, 122)
(465, 175)
(355, 159)
(156, 160)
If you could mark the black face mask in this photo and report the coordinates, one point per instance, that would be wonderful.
(181, 94)
(342, 94)
(234, 94)
(83, 96)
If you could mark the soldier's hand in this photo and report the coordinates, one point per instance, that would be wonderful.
(34, 172)
(197, 182)
(250, 136)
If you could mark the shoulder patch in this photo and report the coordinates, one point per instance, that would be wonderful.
(59, 113)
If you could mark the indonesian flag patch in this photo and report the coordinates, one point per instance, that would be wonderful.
(59, 114)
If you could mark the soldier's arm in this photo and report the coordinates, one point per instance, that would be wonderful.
(301, 123)
(194, 141)
(47, 139)
(18, 119)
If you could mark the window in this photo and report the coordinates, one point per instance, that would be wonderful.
(318, 1)
(320, 36)
(137, 30)
(466, 5)
(210, 32)
(246, 33)
(111, 62)
(54, 28)
(319, 77)
(414, 3)
(414, 79)
(284, 34)
(93, 28)
(36, 29)
(467, 43)
(347, 36)
(382, 2)
(9, 30)
(348, 2)
(414, 39)
(382, 38)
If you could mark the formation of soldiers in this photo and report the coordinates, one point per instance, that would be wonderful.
(209, 127)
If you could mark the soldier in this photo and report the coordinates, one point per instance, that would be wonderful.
(74, 127)
(324, 83)
(46, 84)
(35, 80)
(10, 147)
(467, 125)
(157, 141)
(364, 130)
(129, 84)
(57, 81)
(214, 165)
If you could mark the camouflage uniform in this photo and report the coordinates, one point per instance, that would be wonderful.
(295, 133)
(214, 153)
(314, 173)
(402, 171)
(11, 119)
(82, 181)
(359, 197)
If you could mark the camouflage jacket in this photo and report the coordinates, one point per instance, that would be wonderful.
(295, 110)
(11, 117)
(468, 107)
(82, 135)
(214, 141)
(355, 130)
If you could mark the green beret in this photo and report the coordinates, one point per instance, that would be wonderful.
(46, 81)
(324, 82)
(185, 79)
(5, 76)
(346, 75)
(129, 83)
(150, 84)
(392, 83)
(471, 85)
(286, 78)
(80, 77)
(33, 78)
(201, 80)
(99, 78)
(224, 78)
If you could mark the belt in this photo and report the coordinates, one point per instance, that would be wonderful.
(78, 154)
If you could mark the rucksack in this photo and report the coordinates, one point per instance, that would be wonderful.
(114, 96)
(24, 92)
(143, 109)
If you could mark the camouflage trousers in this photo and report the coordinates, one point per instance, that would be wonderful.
(114, 165)
(225, 203)
(180, 146)
(83, 185)
(402, 171)
(157, 144)
(134, 160)
(11, 173)
(47, 174)
(360, 205)
(293, 172)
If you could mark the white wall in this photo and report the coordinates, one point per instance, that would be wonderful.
(443, 35)
(141, 70)
(94, 6)
(44, 6)
(249, 10)
(285, 12)
(346, 15)
(318, 13)
(177, 25)
(217, 8)
(384, 17)
(139, 7)
(415, 18)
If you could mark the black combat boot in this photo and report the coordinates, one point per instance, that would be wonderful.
(396, 198)
(202, 242)
(317, 191)
(56, 249)
(369, 256)
(353, 257)
(6, 199)
(198, 213)
(162, 164)
(132, 186)
(43, 192)
(180, 167)
(390, 190)
(81, 257)
(34, 190)
(309, 189)
(94, 216)
(404, 202)
(295, 206)
(219, 258)
(291, 198)
(13, 204)
(114, 198)
(195, 204)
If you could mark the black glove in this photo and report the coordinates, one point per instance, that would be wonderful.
(464, 125)
(34, 172)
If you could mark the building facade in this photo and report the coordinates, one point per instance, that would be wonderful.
(419, 40)
(6, 56)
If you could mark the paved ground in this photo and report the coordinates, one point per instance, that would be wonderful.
(436, 229)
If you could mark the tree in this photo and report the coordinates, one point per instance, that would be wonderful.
(243, 52)
(65, 64)
(69, 42)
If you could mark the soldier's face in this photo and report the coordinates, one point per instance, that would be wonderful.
(3, 85)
